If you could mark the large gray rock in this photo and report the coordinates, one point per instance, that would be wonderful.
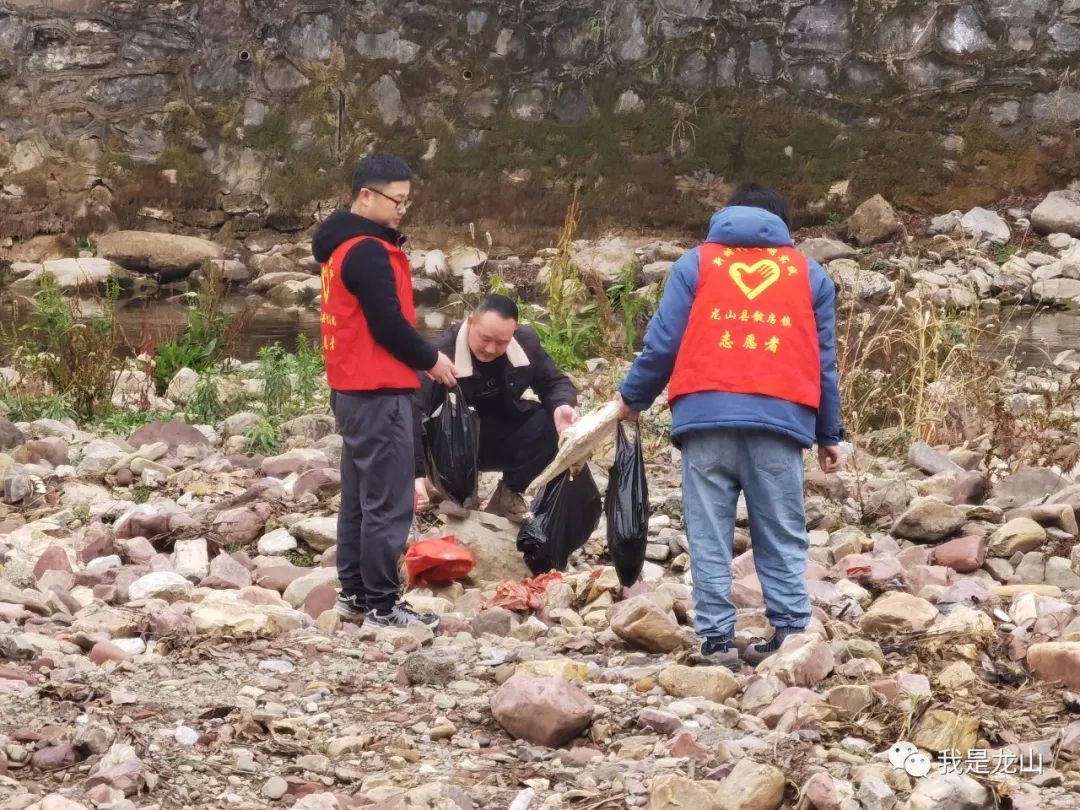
(986, 226)
(167, 255)
(491, 540)
(1027, 485)
(318, 532)
(929, 520)
(10, 436)
(826, 250)
(874, 221)
(69, 275)
(867, 286)
(1056, 289)
(605, 258)
(1058, 213)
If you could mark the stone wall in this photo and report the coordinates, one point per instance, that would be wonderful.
(255, 108)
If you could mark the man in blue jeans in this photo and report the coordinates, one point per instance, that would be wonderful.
(745, 334)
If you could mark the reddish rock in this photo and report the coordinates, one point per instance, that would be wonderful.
(323, 481)
(543, 711)
(451, 625)
(660, 721)
(53, 558)
(97, 541)
(963, 555)
(105, 651)
(969, 488)
(882, 572)
(244, 560)
(746, 592)
(156, 525)
(168, 622)
(277, 577)
(493, 622)
(124, 477)
(919, 576)
(11, 523)
(743, 566)
(9, 672)
(106, 593)
(54, 758)
(137, 550)
(320, 599)
(226, 573)
(241, 525)
(161, 562)
(256, 595)
(1056, 661)
(805, 701)
(686, 745)
(53, 450)
(822, 792)
(173, 433)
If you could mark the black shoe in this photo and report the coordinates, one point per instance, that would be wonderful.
(719, 651)
(757, 653)
(401, 615)
(351, 608)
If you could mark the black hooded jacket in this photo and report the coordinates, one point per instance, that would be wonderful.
(367, 274)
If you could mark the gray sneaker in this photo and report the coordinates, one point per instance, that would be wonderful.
(718, 652)
(401, 615)
(351, 608)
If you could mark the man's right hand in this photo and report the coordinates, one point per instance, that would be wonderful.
(422, 500)
(443, 371)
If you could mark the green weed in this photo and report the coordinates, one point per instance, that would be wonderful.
(274, 368)
(263, 438)
(205, 406)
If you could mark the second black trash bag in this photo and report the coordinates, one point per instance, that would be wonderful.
(451, 443)
(627, 508)
(565, 512)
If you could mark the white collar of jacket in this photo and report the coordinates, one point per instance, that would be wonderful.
(463, 358)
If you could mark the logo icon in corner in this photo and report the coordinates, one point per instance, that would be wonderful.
(906, 757)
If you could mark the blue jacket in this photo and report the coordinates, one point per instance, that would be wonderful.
(736, 226)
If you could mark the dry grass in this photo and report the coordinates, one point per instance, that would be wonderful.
(914, 370)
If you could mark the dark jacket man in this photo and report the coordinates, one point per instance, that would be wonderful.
(498, 361)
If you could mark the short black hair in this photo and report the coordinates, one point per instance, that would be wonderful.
(378, 170)
(500, 305)
(755, 195)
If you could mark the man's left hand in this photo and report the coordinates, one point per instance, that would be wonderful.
(565, 416)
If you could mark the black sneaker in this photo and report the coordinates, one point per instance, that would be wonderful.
(719, 651)
(351, 608)
(401, 615)
(757, 653)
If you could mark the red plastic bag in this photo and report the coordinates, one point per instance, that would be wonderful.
(528, 594)
(437, 560)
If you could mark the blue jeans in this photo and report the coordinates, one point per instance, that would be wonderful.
(717, 465)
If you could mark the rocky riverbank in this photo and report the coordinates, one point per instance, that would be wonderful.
(983, 259)
(166, 638)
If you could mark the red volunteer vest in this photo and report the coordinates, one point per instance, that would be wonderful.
(752, 328)
(354, 361)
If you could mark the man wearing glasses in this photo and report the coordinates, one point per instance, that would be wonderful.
(373, 353)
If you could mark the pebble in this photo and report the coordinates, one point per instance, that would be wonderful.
(274, 788)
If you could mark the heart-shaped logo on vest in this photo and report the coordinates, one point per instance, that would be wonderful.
(754, 279)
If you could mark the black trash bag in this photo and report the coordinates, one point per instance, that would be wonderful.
(627, 508)
(452, 444)
(564, 513)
